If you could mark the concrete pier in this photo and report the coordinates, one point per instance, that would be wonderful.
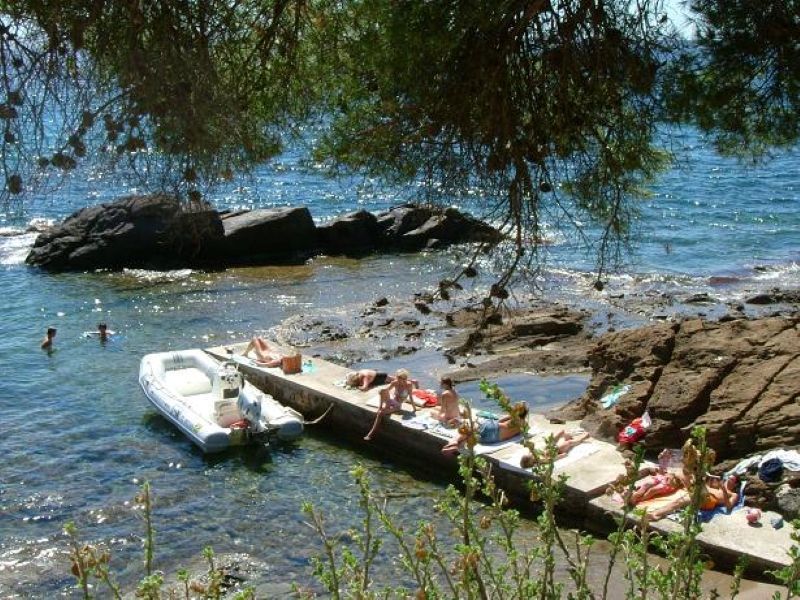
(589, 468)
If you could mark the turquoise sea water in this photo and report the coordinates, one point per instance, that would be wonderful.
(78, 434)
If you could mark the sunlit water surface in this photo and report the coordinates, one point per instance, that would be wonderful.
(78, 436)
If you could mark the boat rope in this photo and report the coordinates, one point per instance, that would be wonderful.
(319, 418)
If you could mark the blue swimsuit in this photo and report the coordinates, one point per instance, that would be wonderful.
(488, 431)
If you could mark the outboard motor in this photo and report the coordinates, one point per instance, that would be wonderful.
(250, 409)
(226, 389)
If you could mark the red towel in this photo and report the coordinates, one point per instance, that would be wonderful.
(429, 396)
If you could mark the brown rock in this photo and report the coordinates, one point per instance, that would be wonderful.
(738, 379)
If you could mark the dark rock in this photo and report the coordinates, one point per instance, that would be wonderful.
(763, 299)
(382, 301)
(273, 232)
(412, 227)
(135, 231)
(353, 233)
(422, 307)
(788, 501)
(701, 298)
(776, 296)
(550, 325)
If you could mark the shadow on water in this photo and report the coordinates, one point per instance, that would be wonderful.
(257, 458)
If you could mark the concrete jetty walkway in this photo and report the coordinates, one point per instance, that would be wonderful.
(417, 439)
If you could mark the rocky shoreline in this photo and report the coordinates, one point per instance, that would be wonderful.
(737, 376)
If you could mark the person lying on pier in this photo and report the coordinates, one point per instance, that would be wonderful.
(564, 442)
(489, 431)
(715, 493)
(364, 379)
(449, 409)
(265, 356)
(657, 482)
(392, 398)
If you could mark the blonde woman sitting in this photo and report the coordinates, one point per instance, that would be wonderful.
(392, 398)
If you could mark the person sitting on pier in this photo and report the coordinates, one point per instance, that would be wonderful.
(490, 431)
(449, 409)
(715, 492)
(392, 398)
(265, 356)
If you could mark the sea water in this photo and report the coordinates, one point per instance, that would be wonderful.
(78, 437)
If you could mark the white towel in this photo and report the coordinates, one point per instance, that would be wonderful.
(480, 449)
(580, 451)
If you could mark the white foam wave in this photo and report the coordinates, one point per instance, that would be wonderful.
(786, 273)
(150, 276)
(15, 248)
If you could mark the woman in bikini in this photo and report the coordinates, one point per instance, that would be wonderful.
(265, 356)
(658, 482)
(392, 398)
(490, 431)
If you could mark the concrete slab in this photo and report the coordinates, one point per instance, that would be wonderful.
(725, 538)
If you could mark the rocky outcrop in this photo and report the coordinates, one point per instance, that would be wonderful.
(739, 379)
(156, 231)
(135, 231)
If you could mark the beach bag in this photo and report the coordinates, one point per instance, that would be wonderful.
(771, 470)
(292, 364)
(636, 430)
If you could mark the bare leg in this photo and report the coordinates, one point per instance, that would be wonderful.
(681, 501)
(269, 361)
(452, 446)
(382, 410)
(250, 346)
(259, 346)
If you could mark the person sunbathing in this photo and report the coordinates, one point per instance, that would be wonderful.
(657, 482)
(265, 356)
(654, 486)
(392, 398)
(490, 431)
(715, 493)
(449, 409)
(564, 443)
(364, 379)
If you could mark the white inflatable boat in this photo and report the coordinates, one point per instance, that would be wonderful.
(211, 403)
